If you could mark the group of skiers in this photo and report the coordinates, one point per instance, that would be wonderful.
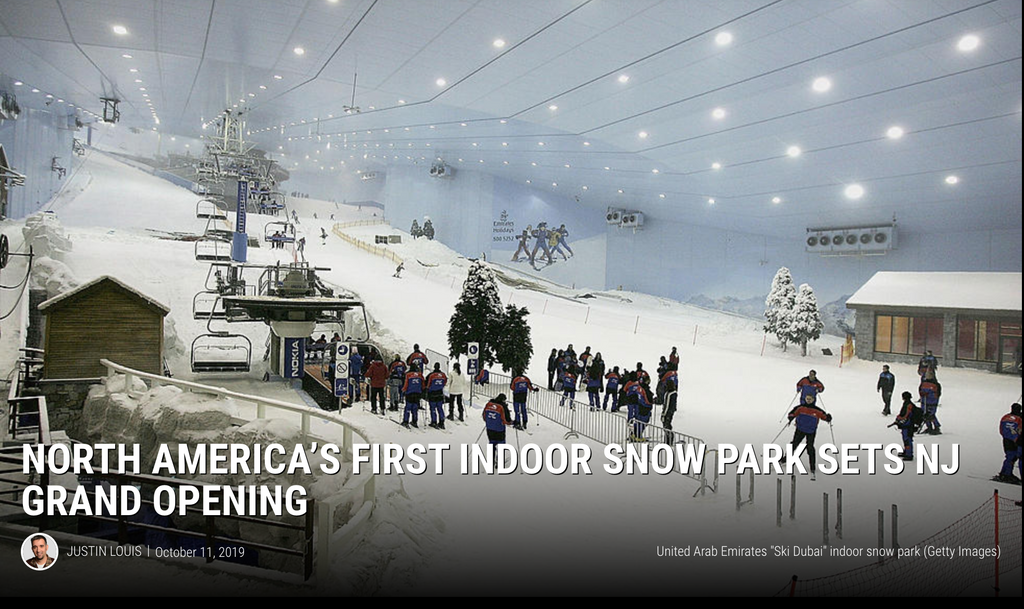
(550, 241)
(631, 387)
(911, 417)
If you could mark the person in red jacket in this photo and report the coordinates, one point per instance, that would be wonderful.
(377, 374)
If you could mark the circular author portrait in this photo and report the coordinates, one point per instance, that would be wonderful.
(39, 551)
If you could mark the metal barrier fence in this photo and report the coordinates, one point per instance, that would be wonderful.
(603, 426)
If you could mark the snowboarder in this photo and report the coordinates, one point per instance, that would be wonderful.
(521, 386)
(807, 417)
(457, 386)
(396, 378)
(886, 384)
(809, 386)
(323, 236)
(496, 417)
(612, 389)
(412, 389)
(1010, 429)
(927, 362)
(398, 270)
(377, 373)
(436, 382)
(930, 391)
(907, 421)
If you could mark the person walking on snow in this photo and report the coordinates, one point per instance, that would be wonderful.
(377, 373)
(930, 391)
(886, 384)
(1010, 430)
(807, 416)
(907, 422)
(521, 386)
(809, 386)
(457, 386)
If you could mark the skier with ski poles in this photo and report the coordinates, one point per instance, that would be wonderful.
(521, 386)
(807, 416)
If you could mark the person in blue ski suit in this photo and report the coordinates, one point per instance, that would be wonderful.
(355, 375)
(569, 387)
(436, 382)
(412, 389)
(541, 233)
(396, 378)
(496, 418)
(1010, 430)
(521, 386)
(886, 384)
(612, 389)
(807, 416)
(594, 387)
(930, 391)
(905, 423)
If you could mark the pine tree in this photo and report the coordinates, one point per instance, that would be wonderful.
(428, 229)
(805, 322)
(478, 316)
(416, 231)
(514, 347)
(779, 306)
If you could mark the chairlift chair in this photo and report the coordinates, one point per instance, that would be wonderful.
(218, 228)
(220, 351)
(208, 208)
(286, 230)
(207, 250)
(208, 305)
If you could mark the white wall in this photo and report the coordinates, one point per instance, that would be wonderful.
(31, 142)
(338, 186)
(680, 261)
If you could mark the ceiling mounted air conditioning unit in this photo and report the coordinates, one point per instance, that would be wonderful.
(614, 216)
(632, 219)
(870, 240)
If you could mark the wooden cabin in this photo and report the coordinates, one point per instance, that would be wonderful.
(102, 319)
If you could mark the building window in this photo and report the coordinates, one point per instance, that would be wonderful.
(908, 335)
(978, 339)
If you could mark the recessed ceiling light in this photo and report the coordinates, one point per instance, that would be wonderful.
(952, 179)
(642, 135)
(278, 77)
(654, 171)
(533, 163)
(504, 143)
(464, 124)
(264, 87)
(623, 78)
(440, 82)
(138, 80)
(620, 191)
(498, 43)
(723, 38)
(716, 165)
(132, 70)
(854, 191)
(120, 30)
(793, 151)
(142, 88)
(968, 43)
(586, 188)
(607, 168)
(776, 200)
(554, 183)
(475, 144)
(586, 143)
(503, 121)
(718, 113)
(126, 56)
(894, 132)
(540, 143)
(299, 51)
(821, 84)
(552, 107)
(567, 166)
(481, 160)
(661, 196)
(18, 83)
(711, 201)
(401, 101)
(504, 162)
(529, 182)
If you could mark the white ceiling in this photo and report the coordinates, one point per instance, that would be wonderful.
(891, 62)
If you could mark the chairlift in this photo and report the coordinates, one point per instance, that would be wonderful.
(208, 208)
(208, 305)
(218, 228)
(207, 250)
(279, 232)
(221, 351)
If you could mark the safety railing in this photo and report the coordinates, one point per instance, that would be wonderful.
(600, 425)
(359, 490)
(376, 250)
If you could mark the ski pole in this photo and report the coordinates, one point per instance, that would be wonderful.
(481, 434)
(832, 431)
(780, 433)
(790, 407)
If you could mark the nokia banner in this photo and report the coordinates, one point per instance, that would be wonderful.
(294, 356)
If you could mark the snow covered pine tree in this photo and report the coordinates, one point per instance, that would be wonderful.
(478, 316)
(416, 231)
(779, 306)
(514, 347)
(428, 228)
(805, 323)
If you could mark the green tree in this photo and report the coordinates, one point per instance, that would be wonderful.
(478, 316)
(514, 348)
